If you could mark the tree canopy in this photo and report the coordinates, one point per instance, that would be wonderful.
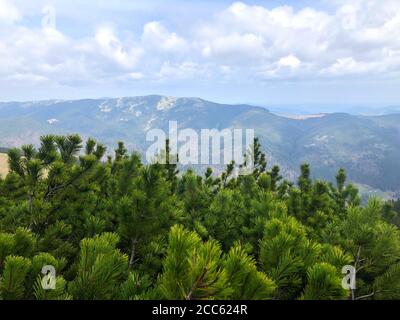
(117, 228)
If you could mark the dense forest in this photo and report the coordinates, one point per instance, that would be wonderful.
(122, 229)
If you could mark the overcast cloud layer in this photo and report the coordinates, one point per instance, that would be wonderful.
(269, 52)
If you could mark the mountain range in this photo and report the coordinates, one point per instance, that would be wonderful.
(367, 146)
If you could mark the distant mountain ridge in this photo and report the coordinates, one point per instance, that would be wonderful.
(368, 147)
(351, 109)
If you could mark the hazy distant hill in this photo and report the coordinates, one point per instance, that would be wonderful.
(367, 146)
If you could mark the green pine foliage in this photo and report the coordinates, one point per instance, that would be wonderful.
(323, 283)
(114, 227)
(192, 268)
(12, 281)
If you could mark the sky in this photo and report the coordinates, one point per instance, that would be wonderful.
(278, 52)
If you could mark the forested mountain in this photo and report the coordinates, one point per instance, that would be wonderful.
(368, 147)
(122, 229)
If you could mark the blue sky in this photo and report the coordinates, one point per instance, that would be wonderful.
(264, 52)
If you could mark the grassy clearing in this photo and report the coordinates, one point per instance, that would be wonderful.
(3, 164)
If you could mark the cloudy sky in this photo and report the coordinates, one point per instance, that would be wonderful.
(265, 52)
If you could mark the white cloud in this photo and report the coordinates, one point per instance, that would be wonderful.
(36, 53)
(346, 66)
(290, 61)
(157, 36)
(180, 71)
(110, 46)
(50, 57)
(241, 43)
(309, 42)
(9, 13)
(235, 48)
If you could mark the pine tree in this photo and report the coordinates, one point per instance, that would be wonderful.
(192, 269)
(100, 270)
(323, 283)
(374, 245)
(117, 228)
(171, 165)
(14, 274)
(246, 282)
(147, 213)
